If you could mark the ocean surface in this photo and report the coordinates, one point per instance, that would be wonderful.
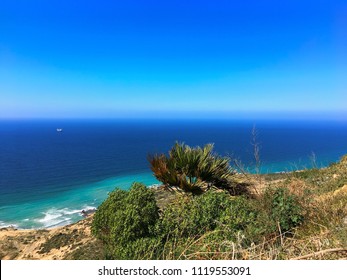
(48, 177)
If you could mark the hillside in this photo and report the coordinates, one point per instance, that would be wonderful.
(322, 235)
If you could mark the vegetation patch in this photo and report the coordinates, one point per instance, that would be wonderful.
(8, 249)
(126, 220)
(56, 242)
(283, 208)
(93, 250)
(294, 215)
(192, 169)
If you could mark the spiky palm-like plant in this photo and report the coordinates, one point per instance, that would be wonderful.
(191, 169)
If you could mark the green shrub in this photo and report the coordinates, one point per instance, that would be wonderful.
(284, 208)
(209, 223)
(240, 214)
(193, 215)
(130, 227)
(124, 218)
(143, 248)
(106, 214)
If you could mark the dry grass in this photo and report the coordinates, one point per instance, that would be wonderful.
(322, 236)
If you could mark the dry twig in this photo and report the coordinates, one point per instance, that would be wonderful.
(334, 250)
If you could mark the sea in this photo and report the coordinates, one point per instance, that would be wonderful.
(47, 177)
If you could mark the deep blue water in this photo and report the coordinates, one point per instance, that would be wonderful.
(47, 177)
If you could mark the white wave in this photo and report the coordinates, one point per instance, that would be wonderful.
(50, 219)
(59, 217)
(66, 211)
(5, 225)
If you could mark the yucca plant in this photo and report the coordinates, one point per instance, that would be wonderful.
(192, 169)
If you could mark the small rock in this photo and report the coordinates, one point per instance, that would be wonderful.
(86, 213)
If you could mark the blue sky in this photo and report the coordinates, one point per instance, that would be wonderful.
(281, 59)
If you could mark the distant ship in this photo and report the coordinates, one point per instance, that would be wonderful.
(59, 129)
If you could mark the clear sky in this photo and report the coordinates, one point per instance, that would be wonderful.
(173, 58)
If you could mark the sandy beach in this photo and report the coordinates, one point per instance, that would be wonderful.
(46, 244)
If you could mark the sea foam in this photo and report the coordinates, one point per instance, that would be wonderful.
(6, 225)
(59, 217)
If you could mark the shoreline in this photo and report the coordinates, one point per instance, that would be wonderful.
(83, 214)
(45, 244)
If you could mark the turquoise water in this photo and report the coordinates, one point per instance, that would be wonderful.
(66, 208)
